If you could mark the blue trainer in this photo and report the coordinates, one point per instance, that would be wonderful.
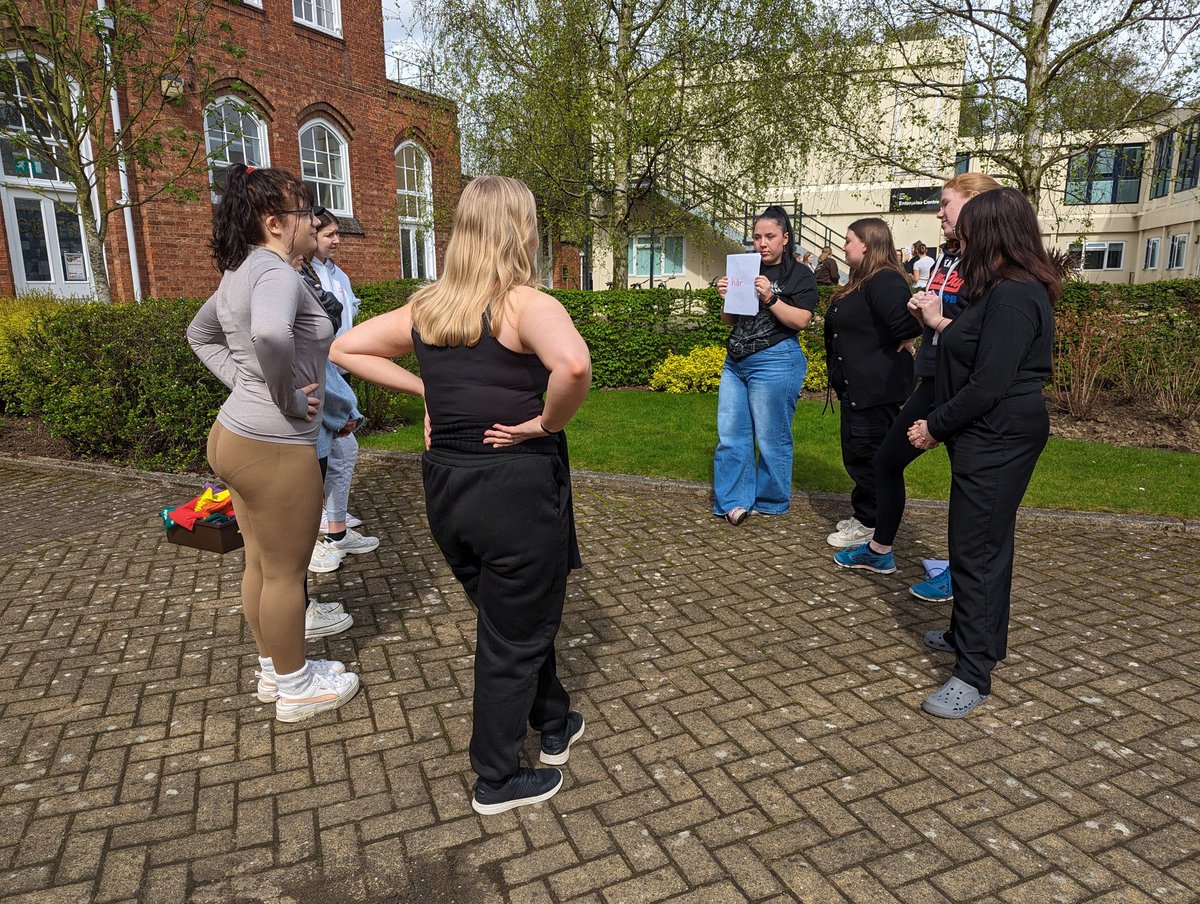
(935, 589)
(863, 556)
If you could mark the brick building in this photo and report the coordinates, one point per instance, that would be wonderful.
(306, 91)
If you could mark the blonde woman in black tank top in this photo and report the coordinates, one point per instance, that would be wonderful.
(497, 483)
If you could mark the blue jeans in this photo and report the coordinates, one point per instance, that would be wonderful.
(755, 406)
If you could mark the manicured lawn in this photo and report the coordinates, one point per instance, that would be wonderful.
(659, 435)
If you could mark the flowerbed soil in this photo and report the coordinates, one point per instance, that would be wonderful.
(1118, 422)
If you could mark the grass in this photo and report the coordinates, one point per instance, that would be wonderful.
(659, 435)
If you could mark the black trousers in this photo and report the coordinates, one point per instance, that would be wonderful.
(894, 455)
(863, 432)
(991, 463)
(502, 522)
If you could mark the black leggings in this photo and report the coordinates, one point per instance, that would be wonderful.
(893, 456)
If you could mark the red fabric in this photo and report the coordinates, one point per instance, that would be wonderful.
(187, 515)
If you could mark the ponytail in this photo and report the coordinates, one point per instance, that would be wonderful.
(250, 194)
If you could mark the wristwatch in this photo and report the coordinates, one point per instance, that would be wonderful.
(770, 301)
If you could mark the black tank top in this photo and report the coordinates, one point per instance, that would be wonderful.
(470, 388)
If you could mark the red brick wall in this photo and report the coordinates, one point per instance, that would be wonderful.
(7, 285)
(297, 70)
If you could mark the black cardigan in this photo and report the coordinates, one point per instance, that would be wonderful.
(999, 347)
(863, 331)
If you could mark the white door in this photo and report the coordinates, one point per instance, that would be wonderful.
(45, 242)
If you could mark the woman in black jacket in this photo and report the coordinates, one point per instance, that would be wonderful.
(995, 357)
(870, 366)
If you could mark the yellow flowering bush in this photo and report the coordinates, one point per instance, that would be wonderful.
(697, 371)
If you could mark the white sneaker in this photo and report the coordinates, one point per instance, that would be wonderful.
(325, 558)
(325, 620)
(354, 543)
(268, 687)
(852, 534)
(845, 523)
(351, 521)
(322, 691)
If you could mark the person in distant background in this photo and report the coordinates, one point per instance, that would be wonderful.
(827, 269)
(922, 266)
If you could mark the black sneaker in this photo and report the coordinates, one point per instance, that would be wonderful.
(556, 748)
(528, 786)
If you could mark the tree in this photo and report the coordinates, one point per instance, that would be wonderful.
(605, 106)
(1037, 80)
(63, 63)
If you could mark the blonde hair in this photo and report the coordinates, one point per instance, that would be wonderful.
(971, 184)
(493, 249)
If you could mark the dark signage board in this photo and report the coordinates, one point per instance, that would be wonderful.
(916, 200)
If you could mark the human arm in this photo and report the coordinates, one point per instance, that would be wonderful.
(1008, 329)
(546, 330)
(888, 297)
(368, 348)
(207, 339)
(795, 305)
(722, 288)
(274, 302)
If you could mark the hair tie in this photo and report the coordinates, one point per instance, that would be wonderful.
(249, 170)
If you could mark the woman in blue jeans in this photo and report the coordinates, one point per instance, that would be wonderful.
(761, 381)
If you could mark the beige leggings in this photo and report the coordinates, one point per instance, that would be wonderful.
(276, 489)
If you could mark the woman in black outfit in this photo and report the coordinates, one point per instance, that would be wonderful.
(870, 366)
(994, 360)
(497, 483)
(896, 453)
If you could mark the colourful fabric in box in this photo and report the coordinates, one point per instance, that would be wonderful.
(212, 501)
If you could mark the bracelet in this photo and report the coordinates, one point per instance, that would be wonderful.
(940, 322)
(542, 427)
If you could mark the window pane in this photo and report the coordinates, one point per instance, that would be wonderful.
(407, 240)
(32, 231)
(420, 254)
(70, 244)
(1116, 250)
(674, 255)
(1093, 258)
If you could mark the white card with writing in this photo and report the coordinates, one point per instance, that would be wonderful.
(740, 295)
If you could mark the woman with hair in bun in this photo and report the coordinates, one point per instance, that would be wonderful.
(762, 378)
(266, 336)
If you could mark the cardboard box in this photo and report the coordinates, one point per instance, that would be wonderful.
(220, 538)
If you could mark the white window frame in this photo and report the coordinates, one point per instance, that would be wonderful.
(1103, 247)
(659, 247)
(1150, 256)
(418, 231)
(334, 13)
(257, 4)
(347, 209)
(33, 181)
(263, 139)
(1177, 252)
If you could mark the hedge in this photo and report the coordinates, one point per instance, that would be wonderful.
(121, 382)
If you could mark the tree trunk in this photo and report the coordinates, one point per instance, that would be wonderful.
(618, 208)
(94, 243)
(1037, 68)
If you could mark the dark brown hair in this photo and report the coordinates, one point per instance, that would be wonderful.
(250, 194)
(1002, 240)
(880, 254)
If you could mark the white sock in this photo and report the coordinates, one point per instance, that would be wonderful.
(294, 684)
(266, 667)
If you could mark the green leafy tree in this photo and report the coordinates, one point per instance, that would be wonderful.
(1032, 81)
(63, 61)
(606, 107)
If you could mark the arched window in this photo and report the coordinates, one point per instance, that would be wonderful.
(325, 165)
(233, 133)
(414, 207)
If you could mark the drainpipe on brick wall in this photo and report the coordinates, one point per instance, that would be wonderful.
(123, 174)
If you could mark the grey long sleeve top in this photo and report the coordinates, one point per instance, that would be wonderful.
(265, 336)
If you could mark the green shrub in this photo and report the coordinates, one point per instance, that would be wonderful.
(17, 318)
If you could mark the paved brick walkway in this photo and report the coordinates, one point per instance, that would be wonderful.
(753, 725)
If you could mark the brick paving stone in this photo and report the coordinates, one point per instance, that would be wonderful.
(753, 723)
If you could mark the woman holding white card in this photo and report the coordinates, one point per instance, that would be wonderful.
(761, 381)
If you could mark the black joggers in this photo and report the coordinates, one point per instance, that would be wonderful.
(502, 521)
(991, 463)
(863, 432)
(894, 455)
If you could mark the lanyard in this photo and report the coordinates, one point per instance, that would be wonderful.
(942, 288)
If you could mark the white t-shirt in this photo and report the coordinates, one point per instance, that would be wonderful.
(922, 267)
